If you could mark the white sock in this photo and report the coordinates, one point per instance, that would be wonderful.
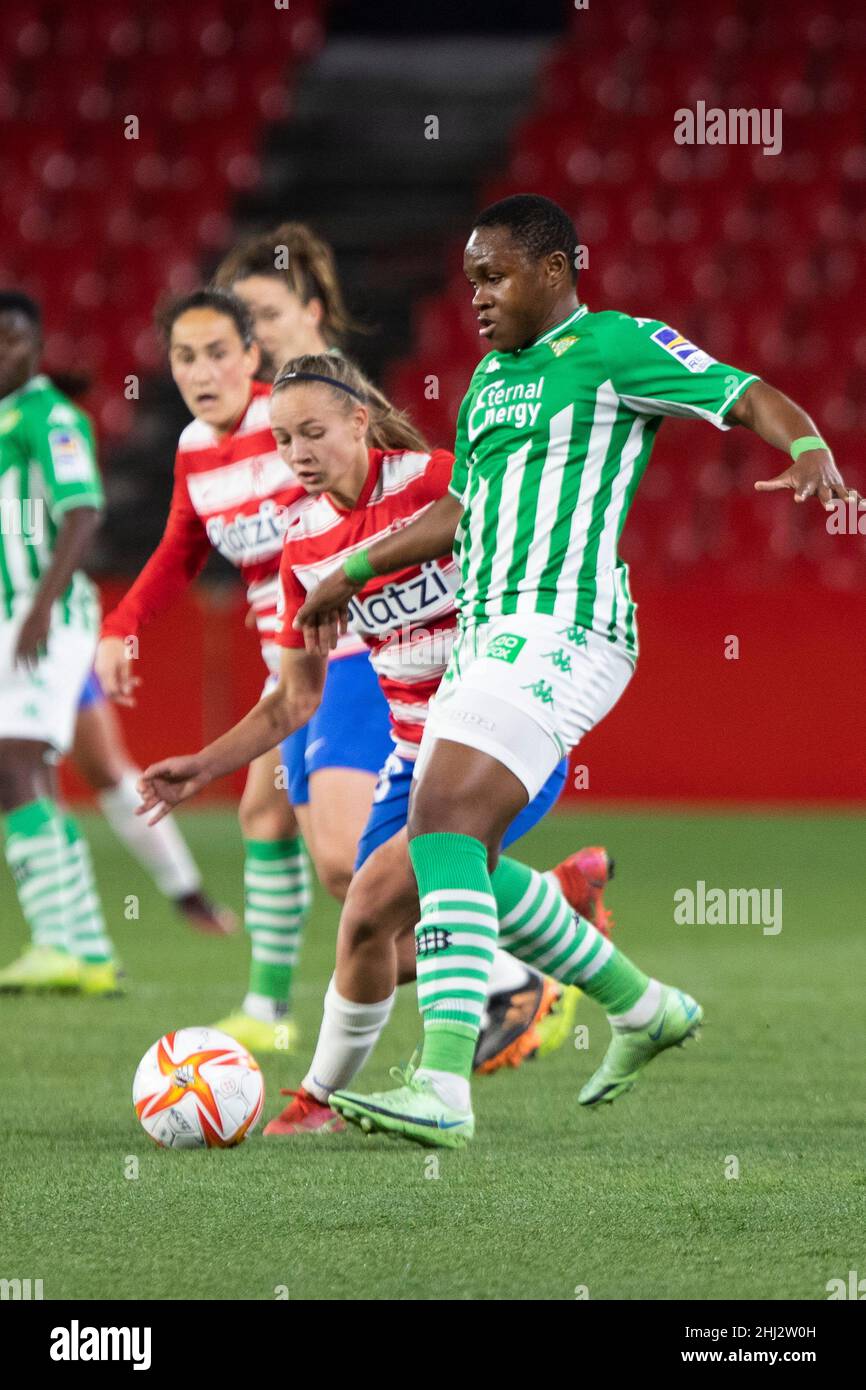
(348, 1034)
(160, 849)
(452, 1090)
(507, 972)
(641, 1013)
(262, 1007)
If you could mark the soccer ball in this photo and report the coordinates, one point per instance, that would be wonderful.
(198, 1088)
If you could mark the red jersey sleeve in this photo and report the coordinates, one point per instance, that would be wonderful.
(438, 473)
(290, 599)
(172, 567)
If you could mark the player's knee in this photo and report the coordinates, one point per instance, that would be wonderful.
(334, 872)
(368, 914)
(263, 818)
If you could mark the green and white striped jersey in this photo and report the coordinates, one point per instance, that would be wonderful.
(47, 467)
(552, 441)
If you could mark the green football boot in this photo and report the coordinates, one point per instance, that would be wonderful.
(102, 979)
(42, 968)
(557, 1026)
(677, 1018)
(413, 1111)
(257, 1036)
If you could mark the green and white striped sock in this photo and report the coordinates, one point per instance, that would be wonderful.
(88, 938)
(454, 944)
(277, 898)
(45, 875)
(541, 928)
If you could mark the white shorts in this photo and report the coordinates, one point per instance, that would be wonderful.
(525, 688)
(42, 705)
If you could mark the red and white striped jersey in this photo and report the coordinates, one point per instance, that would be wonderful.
(233, 493)
(406, 619)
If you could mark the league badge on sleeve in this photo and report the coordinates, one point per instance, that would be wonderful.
(693, 358)
(69, 455)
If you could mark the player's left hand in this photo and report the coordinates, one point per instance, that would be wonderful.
(163, 785)
(814, 474)
(32, 641)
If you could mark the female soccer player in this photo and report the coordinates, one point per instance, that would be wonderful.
(288, 280)
(232, 491)
(321, 416)
(553, 436)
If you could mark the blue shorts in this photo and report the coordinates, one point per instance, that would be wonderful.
(391, 806)
(92, 692)
(351, 727)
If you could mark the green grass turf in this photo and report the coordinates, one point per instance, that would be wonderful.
(631, 1202)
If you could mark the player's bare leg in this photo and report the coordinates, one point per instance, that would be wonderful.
(99, 754)
(338, 810)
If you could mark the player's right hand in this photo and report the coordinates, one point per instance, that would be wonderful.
(325, 615)
(113, 666)
(163, 785)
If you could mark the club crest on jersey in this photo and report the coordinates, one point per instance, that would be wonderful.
(561, 345)
(693, 358)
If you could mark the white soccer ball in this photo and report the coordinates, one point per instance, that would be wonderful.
(198, 1088)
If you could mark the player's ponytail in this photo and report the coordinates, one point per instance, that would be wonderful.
(389, 428)
(294, 253)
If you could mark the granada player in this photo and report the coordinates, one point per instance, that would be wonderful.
(232, 491)
(320, 417)
(553, 437)
(288, 280)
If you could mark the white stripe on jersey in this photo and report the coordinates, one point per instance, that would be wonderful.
(314, 523)
(475, 552)
(603, 420)
(509, 515)
(553, 478)
(233, 484)
(402, 469)
(606, 558)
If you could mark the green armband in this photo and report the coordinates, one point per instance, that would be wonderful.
(358, 568)
(804, 444)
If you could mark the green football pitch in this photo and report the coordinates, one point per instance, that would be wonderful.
(735, 1169)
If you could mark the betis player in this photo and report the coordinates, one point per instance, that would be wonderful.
(553, 437)
(51, 503)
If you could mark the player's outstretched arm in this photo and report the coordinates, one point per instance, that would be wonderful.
(325, 614)
(287, 708)
(77, 530)
(782, 423)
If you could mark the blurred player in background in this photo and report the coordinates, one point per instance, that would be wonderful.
(341, 447)
(101, 757)
(52, 501)
(233, 492)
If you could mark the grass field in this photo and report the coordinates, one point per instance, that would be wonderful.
(632, 1202)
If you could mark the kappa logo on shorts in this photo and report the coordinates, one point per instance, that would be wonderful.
(506, 647)
(431, 940)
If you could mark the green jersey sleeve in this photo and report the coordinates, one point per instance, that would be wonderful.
(657, 371)
(60, 438)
